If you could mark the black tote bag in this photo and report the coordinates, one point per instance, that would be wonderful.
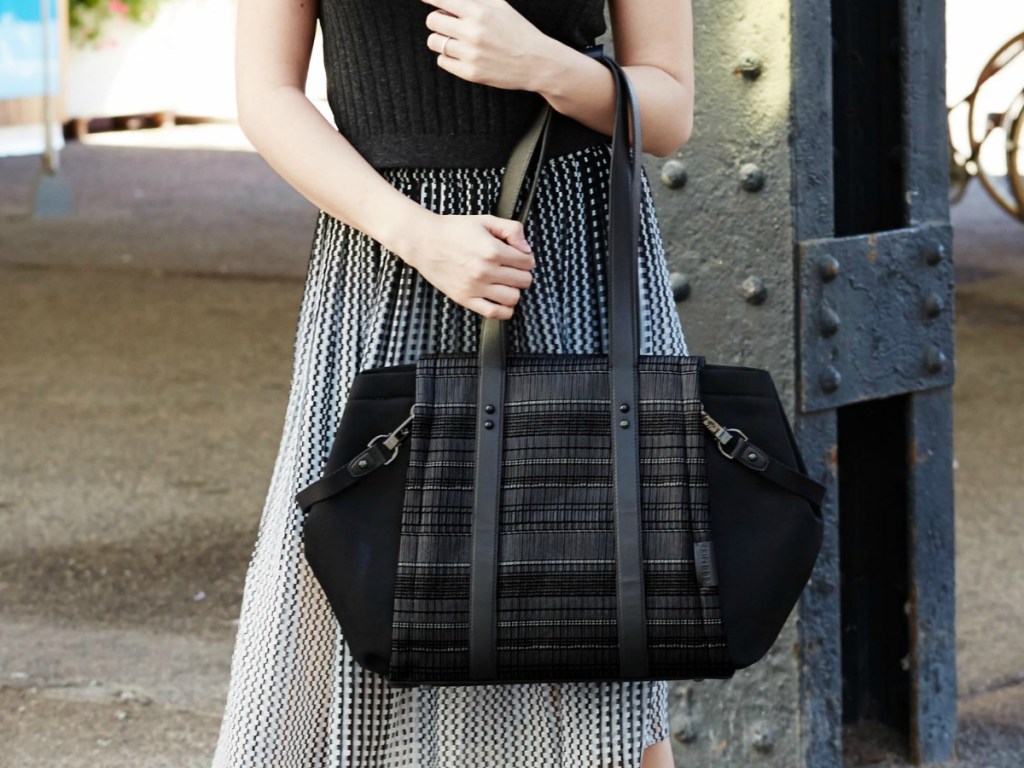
(508, 518)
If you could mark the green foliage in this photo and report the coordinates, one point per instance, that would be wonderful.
(87, 18)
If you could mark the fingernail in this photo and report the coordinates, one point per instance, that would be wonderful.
(529, 248)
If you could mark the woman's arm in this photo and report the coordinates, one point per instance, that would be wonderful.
(274, 39)
(481, 262)
(493, 44)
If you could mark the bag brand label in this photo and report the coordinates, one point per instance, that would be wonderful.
(704, 561)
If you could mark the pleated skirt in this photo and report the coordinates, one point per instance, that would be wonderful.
(296, 697)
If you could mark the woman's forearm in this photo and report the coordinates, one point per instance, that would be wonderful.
(297, 141)
(582, 88)
(481, 262)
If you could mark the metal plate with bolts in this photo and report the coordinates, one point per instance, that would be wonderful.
(875, 315)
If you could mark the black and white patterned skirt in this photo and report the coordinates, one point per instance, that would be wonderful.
(296, 698)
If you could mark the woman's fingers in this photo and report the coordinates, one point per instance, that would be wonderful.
(507, 256)
(501, 294)
(465, 259)
(443, 24)
(456, 7)
(504, 268)
(437, 43)
(489, 308)
(509, 230)
(517, 278)
(492, 43)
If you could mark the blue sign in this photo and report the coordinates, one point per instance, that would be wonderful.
(21, 48)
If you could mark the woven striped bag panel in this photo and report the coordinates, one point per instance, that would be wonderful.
(556, 601)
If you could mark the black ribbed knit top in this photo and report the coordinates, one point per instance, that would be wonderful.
(398, 108)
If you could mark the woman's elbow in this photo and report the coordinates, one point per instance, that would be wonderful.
(676, 126)
(244, 106)
(254, 104)
(248, 123)
(251, 101)
(675, 136)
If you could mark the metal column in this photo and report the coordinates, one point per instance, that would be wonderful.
(807, 230)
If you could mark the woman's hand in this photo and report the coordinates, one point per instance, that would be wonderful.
(490, 43)
(480, 262)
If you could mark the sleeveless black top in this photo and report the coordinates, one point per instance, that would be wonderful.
(398, 108)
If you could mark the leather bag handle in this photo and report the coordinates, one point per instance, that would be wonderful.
(623, 279)
(624, 213)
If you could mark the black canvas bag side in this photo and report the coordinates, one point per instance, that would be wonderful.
(350, 537)
(766, 538)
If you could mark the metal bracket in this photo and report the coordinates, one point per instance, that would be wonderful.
(875, 315)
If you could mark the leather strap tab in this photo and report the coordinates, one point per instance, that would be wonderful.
(754, 458)
(336, 482)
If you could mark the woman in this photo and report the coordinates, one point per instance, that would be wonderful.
(429, 96)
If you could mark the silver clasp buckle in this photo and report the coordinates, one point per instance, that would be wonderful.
(720, 433)
(395, 438)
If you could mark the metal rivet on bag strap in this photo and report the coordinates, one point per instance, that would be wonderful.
(624, 423)
(624, 407)
(489, 408)
(488, 424)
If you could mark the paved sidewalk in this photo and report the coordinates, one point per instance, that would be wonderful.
(143, 400)
(182, 198)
